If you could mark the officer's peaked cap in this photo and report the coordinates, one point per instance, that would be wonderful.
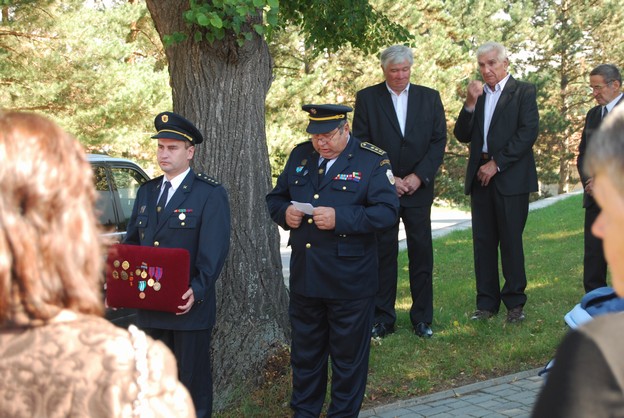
(173, 126)
(326, 117)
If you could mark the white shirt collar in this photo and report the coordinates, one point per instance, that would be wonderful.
(177, 180)
(498, 87)
(613, 102)
(406, 90)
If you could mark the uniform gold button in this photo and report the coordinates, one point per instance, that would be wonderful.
(316, 196)
(310, 220)
(308, 245)
(344, 188)
(296, 181)
(156, 243)
(183, 223)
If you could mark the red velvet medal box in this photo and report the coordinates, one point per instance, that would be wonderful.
(146, 277)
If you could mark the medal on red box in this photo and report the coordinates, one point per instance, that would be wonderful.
(147, 276)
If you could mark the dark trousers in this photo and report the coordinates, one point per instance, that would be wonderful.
(324, 328)
(192, 352)
(594, 262)
(417, 222)
(498, 220)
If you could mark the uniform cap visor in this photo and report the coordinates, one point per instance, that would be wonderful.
(322, 127)
(171, 135)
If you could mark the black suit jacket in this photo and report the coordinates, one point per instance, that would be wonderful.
(197, 218)
(420, 150)
(592, 123)
(513, 131)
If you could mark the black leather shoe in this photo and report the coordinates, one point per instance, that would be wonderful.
(423, 330)
(380, 330)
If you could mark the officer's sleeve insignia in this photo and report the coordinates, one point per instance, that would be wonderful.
(372, 148)
(206, 178)
(390, 176)
(384, 162)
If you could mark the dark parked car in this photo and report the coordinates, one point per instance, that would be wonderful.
(117, 181)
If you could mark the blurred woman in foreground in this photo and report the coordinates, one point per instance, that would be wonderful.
(58, 357)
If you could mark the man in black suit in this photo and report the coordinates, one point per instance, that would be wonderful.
(605, 82)
(500, 121)
(183, 209)
(408, 122)
(348, 188)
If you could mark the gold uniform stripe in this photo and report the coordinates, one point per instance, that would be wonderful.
(328, 117)
(177, 132)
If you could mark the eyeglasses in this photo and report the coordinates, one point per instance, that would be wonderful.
(325, 138)
(598, 87)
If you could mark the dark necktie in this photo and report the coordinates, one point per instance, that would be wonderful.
(321, 170)
(162, 202)
(604, 112)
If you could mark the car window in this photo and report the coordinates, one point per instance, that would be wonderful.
(127, 182)
(105, 202)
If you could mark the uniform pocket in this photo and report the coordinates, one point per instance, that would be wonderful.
(189, 222)
(141, 221)
(345, 186)
(351, 249)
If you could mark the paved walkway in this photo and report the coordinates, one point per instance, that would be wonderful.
(507, 396)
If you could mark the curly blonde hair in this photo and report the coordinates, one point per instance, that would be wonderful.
(51, 254)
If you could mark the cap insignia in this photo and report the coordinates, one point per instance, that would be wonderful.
(164, 118)
(313, 111)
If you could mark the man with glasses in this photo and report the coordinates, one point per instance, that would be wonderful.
(605, 83)
(333, 195)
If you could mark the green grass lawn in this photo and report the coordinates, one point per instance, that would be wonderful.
(462, 351)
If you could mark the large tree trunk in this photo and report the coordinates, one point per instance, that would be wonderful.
(222, 88)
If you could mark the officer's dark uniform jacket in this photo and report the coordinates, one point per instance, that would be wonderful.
(196, 218)
(340, 263)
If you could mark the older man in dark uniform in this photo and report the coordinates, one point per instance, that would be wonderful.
(188, 210)
(333, 195)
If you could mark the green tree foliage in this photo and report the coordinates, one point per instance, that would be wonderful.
(569, 38)
(213, 20)
(95, 67)
(443, 35)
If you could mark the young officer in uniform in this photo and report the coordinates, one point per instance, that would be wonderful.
(350, 191)
(184, 209)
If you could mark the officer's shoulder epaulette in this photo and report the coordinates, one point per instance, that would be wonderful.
(206, 178)
(372, 148)
(306, 142)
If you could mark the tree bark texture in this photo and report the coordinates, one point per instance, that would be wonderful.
(222, 89)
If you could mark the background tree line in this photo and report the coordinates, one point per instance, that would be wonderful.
(99, 68)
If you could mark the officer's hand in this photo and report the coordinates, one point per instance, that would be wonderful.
(475, 89)
(400, 185)
(189, 304)
(324, 217)
(293, 217)
(106, 305)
